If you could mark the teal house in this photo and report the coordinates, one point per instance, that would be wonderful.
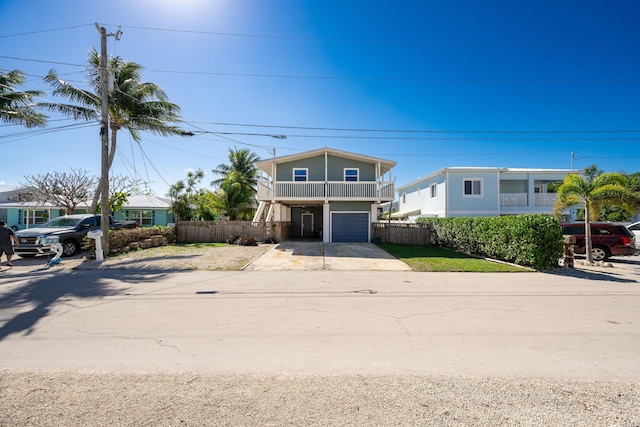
(18, 214)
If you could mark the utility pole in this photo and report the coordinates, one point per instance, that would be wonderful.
(104, 138)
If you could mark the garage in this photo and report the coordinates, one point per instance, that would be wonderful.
(350, 226)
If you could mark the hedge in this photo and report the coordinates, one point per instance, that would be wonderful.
(528, 240)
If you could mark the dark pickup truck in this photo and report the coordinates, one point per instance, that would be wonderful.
(70, 231)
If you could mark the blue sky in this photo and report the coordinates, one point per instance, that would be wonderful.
(428, 84)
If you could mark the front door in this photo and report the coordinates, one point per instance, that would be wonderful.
(307, 225)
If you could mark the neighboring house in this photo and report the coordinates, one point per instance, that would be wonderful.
(325, 193)
(19, 214)
(469, 191)
(147, 210)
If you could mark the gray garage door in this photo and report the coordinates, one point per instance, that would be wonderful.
(350, 227)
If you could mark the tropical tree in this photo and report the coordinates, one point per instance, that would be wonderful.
(18, 107)
(233, 200)
(133, 105)
(592, 193)
(66, 190)
(184, 195)
(241, 169)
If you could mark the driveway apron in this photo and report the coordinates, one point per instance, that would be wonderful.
(292, 255)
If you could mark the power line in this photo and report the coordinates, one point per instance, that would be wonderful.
(45, 31)
(470, 131)
(384, 41)
(41, 61)
(407, 79)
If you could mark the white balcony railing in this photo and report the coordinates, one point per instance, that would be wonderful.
(520, 199)
(513, 199)
(332, 190)
(545, 199)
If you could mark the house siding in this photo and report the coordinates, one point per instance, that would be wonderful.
(335, 169)
(315, 165)
(460, 205)
(350, 206)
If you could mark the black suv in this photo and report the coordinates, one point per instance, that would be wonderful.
(606, 239)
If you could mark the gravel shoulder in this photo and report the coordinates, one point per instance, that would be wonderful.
(69, 398)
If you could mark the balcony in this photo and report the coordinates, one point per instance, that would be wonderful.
(521, 199)
(321, 191)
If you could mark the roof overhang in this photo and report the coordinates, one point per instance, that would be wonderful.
(385, 165)
(405, 214)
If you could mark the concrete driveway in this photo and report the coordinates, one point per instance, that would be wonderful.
(292, 255)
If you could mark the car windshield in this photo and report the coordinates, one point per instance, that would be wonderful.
(62, 222)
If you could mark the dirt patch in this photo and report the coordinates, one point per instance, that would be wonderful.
(173, 257)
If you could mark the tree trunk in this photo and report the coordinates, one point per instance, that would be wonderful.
(112, 153)
(587, 234)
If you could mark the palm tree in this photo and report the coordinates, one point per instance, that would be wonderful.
(233, 200)
(133, 105)
(605, 189)
(242, 169)
(17, 107)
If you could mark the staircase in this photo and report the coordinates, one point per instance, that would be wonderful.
(264, 213)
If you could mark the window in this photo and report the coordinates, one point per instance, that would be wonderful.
(144, 218)
(433, 191)
(473, 187)
(351, 174)
(35, 216)
(404, 198)
(300, 174)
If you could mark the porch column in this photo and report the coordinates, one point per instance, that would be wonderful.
(531, 191)
(326, 219)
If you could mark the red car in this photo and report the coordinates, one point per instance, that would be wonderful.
(606, 239)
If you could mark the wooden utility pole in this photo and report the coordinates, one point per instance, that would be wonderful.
(104, 138)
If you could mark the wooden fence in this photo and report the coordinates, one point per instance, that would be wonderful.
(213, 231)
(403, 233)
(210, 231)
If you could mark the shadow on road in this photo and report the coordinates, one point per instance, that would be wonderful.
(35, 299)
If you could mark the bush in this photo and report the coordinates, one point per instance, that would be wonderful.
(118, 239)
(529, 240)
(242, 240)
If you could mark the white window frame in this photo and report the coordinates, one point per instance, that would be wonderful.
(306, 174)
(138, 215)
(36, 216)
(433, 191)
(472, 180)
(352, 169)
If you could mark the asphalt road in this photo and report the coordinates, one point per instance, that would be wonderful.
(580, 324)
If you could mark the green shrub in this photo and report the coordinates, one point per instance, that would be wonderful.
(529, 240)
(242, 240)
(118, 239)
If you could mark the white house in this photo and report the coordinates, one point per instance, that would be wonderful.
(480, 191)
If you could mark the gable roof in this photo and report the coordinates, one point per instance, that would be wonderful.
(143, 201)
(385, 165)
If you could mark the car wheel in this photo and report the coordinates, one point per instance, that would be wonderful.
(70, 248)
(599, 253)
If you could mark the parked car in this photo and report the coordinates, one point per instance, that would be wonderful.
(635, 229)
(606, 239)
(69, 230)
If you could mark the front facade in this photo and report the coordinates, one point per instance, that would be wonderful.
(324, 194)
(463, 191)
(146, 210)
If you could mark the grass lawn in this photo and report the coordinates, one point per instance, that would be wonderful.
(431, 258)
